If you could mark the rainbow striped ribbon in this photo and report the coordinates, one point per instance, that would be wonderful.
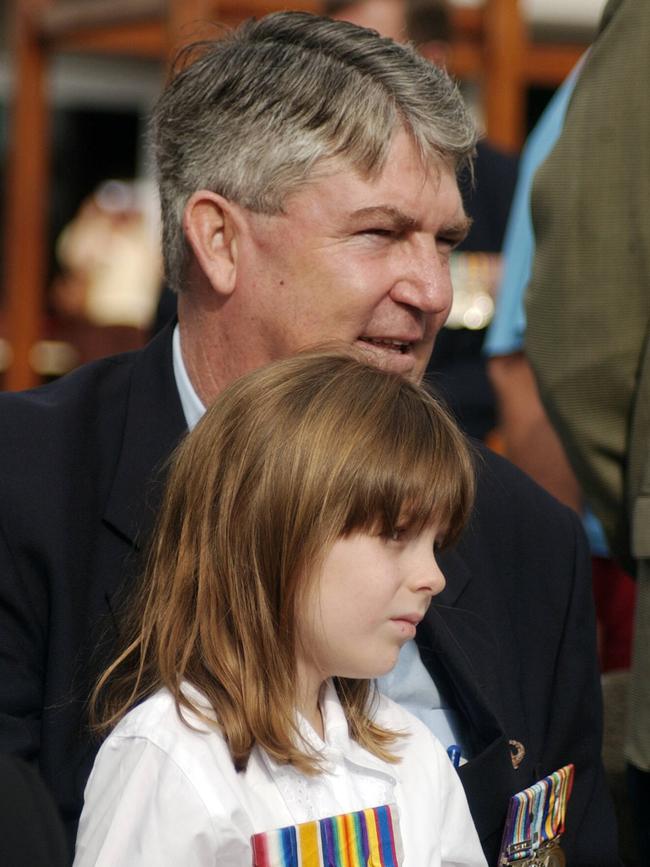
(367, 838)
(536, 817)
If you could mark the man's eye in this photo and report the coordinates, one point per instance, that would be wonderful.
(378, 232)
(447, 244)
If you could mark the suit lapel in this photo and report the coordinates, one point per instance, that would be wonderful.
(154, 424)
(459, 653)
(454, 647)
(461, 648)
(457, 576)
(464, 657)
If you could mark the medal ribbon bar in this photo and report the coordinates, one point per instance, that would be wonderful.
(535, 822)
(366, 837)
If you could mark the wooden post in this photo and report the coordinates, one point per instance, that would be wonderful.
(505, 92)
(187, 21)
(28, 200)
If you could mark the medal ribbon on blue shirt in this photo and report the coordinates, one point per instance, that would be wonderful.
(367, 838)
(535, 821)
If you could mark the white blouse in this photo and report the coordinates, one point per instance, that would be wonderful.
(163, 793)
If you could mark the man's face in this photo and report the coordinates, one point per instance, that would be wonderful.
(365, 262)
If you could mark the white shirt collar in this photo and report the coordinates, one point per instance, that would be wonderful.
(350, 776)
(192, 405)
(337, 747)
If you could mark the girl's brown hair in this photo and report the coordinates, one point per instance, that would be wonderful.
(288, 459)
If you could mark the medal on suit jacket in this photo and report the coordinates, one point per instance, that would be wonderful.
(535, 823)
(352, 839)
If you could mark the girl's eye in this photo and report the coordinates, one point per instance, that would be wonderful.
(397, 534)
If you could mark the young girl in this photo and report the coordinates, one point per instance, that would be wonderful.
(293, 557)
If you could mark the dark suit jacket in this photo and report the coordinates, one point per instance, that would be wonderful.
(31, 832)
(512, 636)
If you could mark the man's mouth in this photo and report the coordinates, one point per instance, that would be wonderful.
(401, 346)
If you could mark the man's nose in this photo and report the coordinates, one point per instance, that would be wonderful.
(424, 281)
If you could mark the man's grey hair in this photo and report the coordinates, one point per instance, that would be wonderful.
(253, 113)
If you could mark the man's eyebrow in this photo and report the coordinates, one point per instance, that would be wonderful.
(398, 219)
(457, 229)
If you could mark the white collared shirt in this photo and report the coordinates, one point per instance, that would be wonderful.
(162, 793)
(191, 403)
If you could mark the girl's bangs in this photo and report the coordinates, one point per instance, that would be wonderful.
(411, 476)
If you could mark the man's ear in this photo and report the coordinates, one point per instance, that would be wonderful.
(210, 224)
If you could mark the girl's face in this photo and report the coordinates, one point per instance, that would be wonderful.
(364, 603)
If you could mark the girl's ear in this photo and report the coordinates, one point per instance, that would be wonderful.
(211, 226)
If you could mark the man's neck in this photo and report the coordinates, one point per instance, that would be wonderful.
(214, 351)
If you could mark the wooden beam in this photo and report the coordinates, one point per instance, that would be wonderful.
(549, 64)
(467, 22)
(465, 61)
(466, 56)
(69, 15)
(27, 201)
(189, 20)
(242, 9)
(505, 87)
(133, 39)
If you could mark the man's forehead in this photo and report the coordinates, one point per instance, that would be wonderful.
(400, 167)
(397, 197)
(408, 191)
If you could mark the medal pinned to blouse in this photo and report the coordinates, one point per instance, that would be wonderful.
(355, 839)
(535, 823)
